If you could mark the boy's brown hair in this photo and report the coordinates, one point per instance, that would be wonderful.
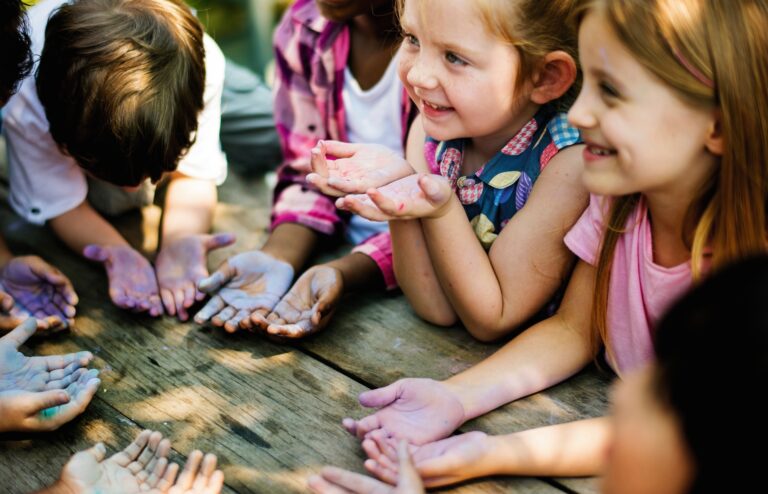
(15, 57)
(122, 85)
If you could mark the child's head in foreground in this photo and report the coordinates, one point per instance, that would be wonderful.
(482, 67)
(15, 57)
(670, 111)
(122, 85)
(690, 422)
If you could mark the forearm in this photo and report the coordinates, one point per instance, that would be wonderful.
(415, 274)
(574, 449)
(84, 226)
(292, 243)
(189, 206)
(465, 272)
(358, 272)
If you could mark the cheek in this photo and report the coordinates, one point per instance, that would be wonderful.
(403, 68)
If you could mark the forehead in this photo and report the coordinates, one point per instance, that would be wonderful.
(445, 20)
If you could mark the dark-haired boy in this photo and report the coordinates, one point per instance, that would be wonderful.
(126, 94)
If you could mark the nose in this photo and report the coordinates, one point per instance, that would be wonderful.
(582, 114)
(421, 73)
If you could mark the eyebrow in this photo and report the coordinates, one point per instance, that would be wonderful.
(602, 74)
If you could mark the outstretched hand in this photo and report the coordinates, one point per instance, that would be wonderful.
(30, 287)
(439, 463)
(307, 307)
(132, 282)
(246, 283)
(418, 410)
(415, 196)
(358, 167)
(336, 481)
(143, 466)
(180, 265)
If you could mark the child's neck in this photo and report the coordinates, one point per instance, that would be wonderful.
(479, 150)
(374, 40)
(667, 217)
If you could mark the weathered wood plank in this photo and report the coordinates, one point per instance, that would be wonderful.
(270, 412)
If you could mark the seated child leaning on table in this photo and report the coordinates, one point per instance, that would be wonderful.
(126, 93)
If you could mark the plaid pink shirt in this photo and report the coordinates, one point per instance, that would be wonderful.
(310, 56)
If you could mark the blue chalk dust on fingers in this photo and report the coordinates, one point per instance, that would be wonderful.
(49, 413)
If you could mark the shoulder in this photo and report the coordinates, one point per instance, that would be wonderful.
(214, 60)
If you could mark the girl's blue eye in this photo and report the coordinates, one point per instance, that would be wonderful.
(454, 59)
(411, 39)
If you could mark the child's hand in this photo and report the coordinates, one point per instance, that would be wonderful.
(132, 282)
(444, 462)
(418, 410)
(335, 480)
(308, 305)
(359, 167)
(180, 265)
(415, 196)
(141, 467)
(30, 287)
(248, 282)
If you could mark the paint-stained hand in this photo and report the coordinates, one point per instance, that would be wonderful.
(307, 307)
(30, 287)
(246, 283)
(142, 467)
(180, 265)
(418, 410)
(415, 196)
(41, 393)
(357, 167)
(335, 480)
(444, 462)
(132, 282)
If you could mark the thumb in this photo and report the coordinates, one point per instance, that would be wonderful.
(408, 478)
(436, 189)
(98, 452)
(39, 402)
(6, 301)
(219, 240)
(216, 280)
(22, 332)
(318, 160)
(96, 253)
(381, 397)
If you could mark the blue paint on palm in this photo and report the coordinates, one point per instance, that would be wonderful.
(49, 413)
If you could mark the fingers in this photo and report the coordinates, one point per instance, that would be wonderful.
(219, 278)
(21, 333)
(334, 480)
(187, 476)
(408, 478)
(378, 398)
(219, 240)
(74, 360)
(340, 149)
(134, 449)
(210, 309)
(436, 189)
(6, 301)
(96, 253)
(317, 159)
(362, 205)
(46, 403)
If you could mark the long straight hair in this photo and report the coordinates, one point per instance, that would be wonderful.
(687, 43)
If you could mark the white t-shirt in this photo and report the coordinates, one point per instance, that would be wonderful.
(45, 183)
(373, 116)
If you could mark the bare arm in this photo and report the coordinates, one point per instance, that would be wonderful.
(189, 206)
(528, 261)
(542, 356)
(412, 261)
(83, 226)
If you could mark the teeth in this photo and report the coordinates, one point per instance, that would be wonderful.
(600, 151)
(436, 107)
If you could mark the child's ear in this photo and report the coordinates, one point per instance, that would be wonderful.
(556, 74)
(714, 141)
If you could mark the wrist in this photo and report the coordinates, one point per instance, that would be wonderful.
(291, 243)
(357, 270)
(58, 487)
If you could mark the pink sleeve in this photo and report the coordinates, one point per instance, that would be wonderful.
(299, 204)
(379, 248)
(585, 236)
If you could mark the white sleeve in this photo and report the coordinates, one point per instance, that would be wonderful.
(45, 183)
(205, 159)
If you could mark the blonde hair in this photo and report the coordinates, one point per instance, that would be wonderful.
(712, 53)
(535, 28)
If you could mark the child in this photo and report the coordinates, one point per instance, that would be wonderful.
(490, 94)
(335, 80)
(665, 433)
(678, 156)
(125, 91)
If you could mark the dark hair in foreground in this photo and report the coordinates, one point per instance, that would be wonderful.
(122, 85)
(712, 351)
(15, 57)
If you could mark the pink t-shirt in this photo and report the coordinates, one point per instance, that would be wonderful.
(640, 290)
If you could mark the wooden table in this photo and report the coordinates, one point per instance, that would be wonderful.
(270, 412)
